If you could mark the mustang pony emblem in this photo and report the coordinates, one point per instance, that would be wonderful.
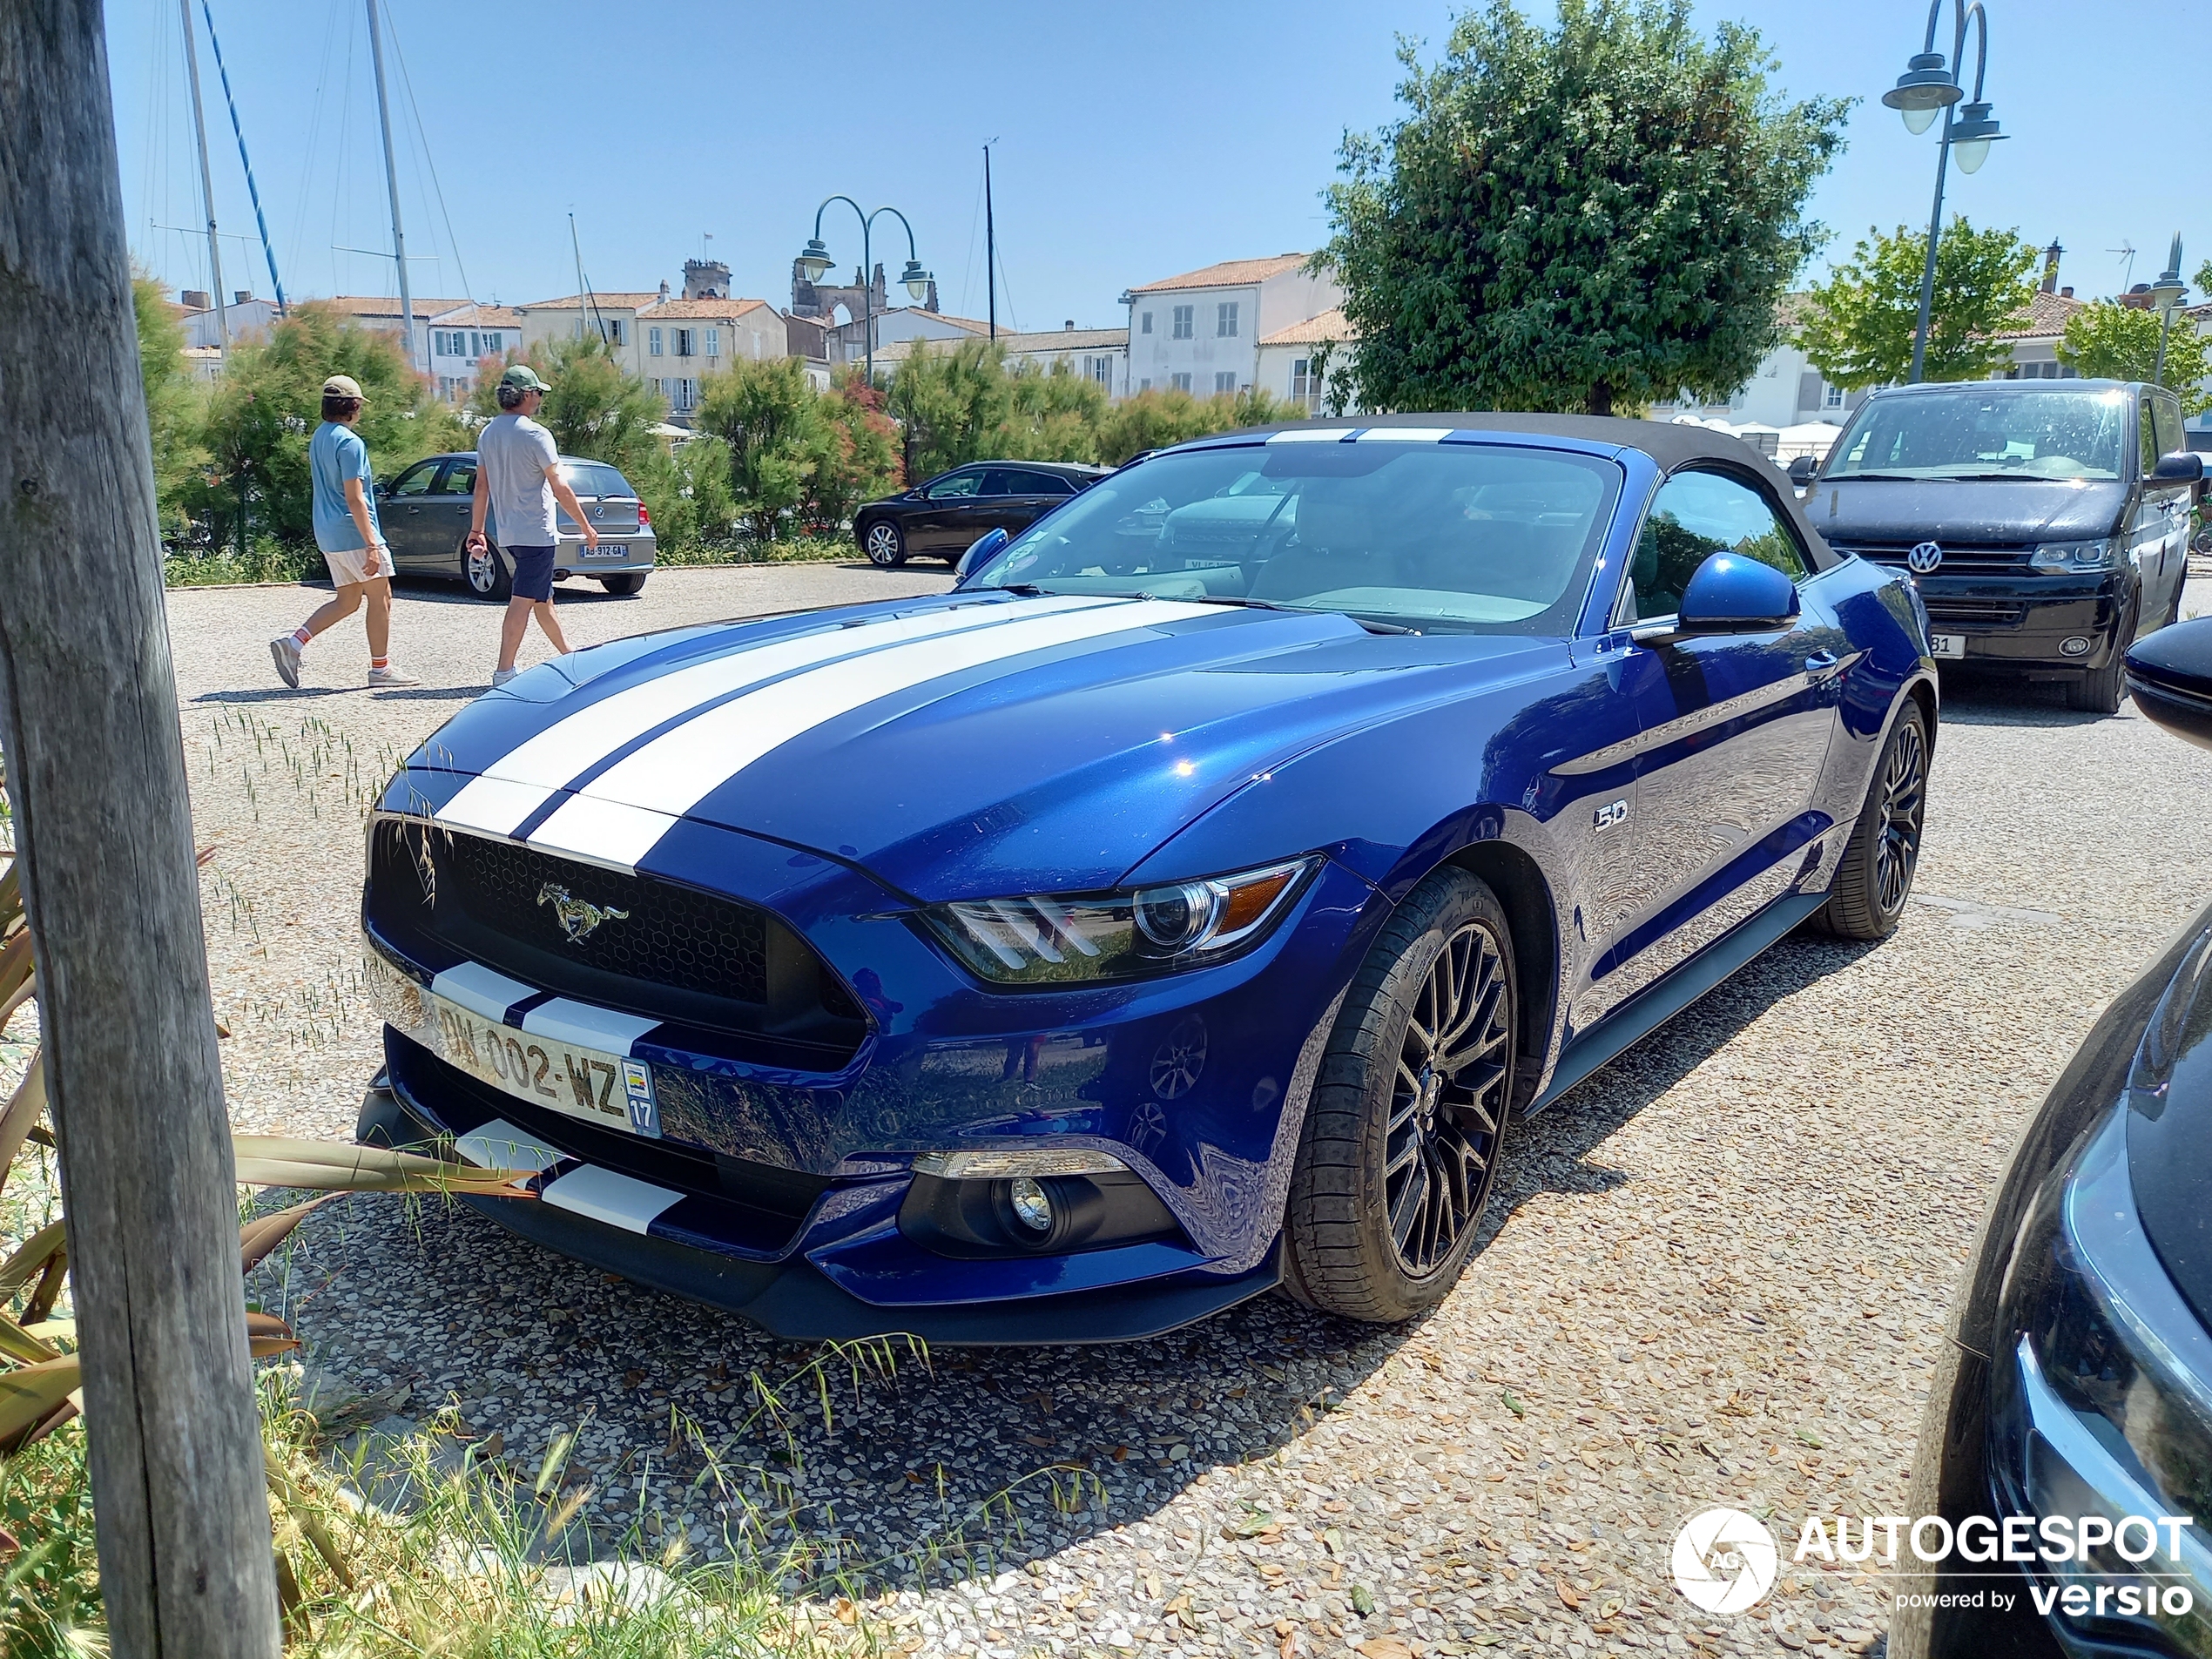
(578, 918)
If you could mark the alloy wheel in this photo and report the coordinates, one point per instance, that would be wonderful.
(478, 569)
(883, 544)
(1904, 795)
(1448, 1102)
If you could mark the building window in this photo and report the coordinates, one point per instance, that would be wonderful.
(652, 342)
(1144, 386)
(618, 330)
(1833, 398)
(1147, 328)
(1099, 369)
(1224, 324)
(1181, 383)
(1305, 385)
(683, 394)
(714, 342)
(687, 341)
(1182, 315)
(1224, 381)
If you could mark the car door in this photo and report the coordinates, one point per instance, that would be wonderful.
(400, 513)
(1734, 728)
(2159, 543)
(445, 516)
(948, 507)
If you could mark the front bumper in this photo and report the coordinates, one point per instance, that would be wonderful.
(781, 1190)
(2022, 623)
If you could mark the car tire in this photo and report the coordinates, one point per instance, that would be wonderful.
(2098, 691)
(623, 581)
(1875, 877)
(487, 574)
(885, 544)
(1398, 1157)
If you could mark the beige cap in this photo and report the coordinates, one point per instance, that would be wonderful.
(342, 385)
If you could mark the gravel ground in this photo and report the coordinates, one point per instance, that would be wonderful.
(1716, 1271)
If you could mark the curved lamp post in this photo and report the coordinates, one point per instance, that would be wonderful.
(1928, 89)
(814, 260)
(2165, 293)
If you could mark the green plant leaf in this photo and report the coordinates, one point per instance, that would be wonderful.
(18, 1344)
(31, 1257)
(29, 1393)
(331, 1166)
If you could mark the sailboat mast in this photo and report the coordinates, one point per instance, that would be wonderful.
(206, 186)
(391, 185)
(991, 246)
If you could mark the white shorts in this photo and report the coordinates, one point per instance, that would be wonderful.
(352, 564)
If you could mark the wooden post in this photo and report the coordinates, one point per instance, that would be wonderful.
(88, 717)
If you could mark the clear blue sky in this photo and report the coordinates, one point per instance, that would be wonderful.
(1134, 141)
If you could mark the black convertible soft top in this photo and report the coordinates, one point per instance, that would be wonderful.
(1671, 444)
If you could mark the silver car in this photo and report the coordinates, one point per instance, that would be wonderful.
(425, 514)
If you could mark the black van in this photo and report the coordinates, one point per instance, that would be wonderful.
(2047, 522)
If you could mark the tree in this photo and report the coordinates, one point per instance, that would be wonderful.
(1605, 213)
(1857, 327)
(2107, 341)
(766, 411)
(856, 455)
(174, 408)
(96, 769)
(951, 404)
(269, 402)
(596, 410)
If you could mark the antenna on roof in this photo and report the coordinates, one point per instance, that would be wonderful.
(2127, 252)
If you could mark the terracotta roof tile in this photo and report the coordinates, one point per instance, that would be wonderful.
(386, 305)
(2046, 317)
(604, 300)
(710, 309)
(1230, 274)
(1330, 325)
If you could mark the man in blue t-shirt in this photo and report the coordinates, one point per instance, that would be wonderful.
(351, 540)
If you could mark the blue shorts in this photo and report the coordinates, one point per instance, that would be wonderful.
(533, 572)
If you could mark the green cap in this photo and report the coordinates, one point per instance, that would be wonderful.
(524, 378)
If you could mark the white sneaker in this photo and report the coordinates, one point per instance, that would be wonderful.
(501, 676)
(286, 649)
(388, 675)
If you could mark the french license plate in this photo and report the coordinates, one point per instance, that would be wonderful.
(607, 550)
(1953, 646)
(608, 1089)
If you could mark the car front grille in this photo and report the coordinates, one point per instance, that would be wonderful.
(1976, 613)
(663, 950)
(1991, 559)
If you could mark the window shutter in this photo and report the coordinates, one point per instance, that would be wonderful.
(1808, 386)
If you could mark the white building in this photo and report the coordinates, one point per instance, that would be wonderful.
(848, 341)
(676, 343)
(244, 316)
(1291, 360)
(462, 338)
(1100, 355)
(1200, 332)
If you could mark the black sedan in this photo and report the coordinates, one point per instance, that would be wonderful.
(943, 516)
(2072, 1412)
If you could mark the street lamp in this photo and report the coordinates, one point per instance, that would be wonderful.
(1927, 89)
(814, 260)
(2166, 294)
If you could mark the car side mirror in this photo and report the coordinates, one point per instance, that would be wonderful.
(981, 552)
(2182, 466)
(1731, 594)
(1802, 469)
(383, 489)
(2169, 675)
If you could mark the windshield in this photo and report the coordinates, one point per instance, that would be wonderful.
(1443, 537)
(1981, 431)
(590, 478)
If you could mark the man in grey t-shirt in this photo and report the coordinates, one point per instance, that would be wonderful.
(518, 480)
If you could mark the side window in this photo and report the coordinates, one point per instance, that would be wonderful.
(1045, 483)
(955, 486)
(1004, 480)
(460, 479)
(1695, 515)
(2147, 428)
(416, 478)
(2166, 410)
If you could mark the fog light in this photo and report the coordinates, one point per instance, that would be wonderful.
(2075, 646)
(1032, 1207)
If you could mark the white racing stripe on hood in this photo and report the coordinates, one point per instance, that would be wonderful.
(524, 778)
(674, 772)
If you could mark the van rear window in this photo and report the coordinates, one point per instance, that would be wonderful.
(1985, 431)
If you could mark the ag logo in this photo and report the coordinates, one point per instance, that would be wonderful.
(1925, 558)
(1724, 1561)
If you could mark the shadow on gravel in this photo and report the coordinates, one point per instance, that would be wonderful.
(1972, 698)
(973, 1459)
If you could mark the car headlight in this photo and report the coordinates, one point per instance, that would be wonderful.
(2055, 556)
(1054, 939)
(2101, 1410)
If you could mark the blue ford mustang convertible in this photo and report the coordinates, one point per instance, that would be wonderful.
(1186, 903)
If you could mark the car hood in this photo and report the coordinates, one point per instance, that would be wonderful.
(2169, 1124)
(960, 747)
(1899, 511)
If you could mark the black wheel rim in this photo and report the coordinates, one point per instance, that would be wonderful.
(1447, 1101)
(1905, 798)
